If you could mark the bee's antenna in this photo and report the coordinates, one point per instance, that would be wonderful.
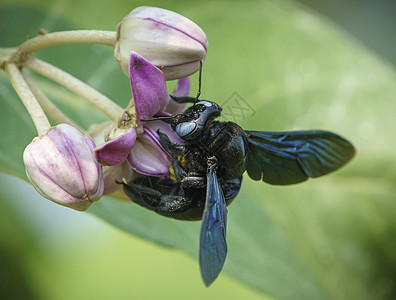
(199, 82)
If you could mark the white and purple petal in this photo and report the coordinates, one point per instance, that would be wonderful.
(148, 156)
(117, 149)
(148, 87)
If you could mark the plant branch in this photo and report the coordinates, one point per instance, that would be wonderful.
(29, 100)
(49, 108)
(61, 38)
(102, 102)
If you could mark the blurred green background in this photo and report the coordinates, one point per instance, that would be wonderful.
(49, 252)
(331, 238)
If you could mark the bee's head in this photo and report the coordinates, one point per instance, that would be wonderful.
(192, 122)
(195, 119)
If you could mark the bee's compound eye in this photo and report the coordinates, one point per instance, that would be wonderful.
(186, 128)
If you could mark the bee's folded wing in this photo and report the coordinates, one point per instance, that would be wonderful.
(213, 245)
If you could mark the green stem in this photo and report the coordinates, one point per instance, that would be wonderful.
(61, 38)
(105, 104)
(6, 52)
(49, 108)
(29, 100)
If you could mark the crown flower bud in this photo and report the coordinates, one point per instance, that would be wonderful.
(168, 40)
(62, 168)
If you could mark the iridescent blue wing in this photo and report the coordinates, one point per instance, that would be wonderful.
(291, 157)
(213, 245)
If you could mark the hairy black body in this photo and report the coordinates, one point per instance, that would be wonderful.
(181, 195)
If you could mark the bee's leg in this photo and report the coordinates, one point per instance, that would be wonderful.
(190, 179)
(178, 170)
(172, 204)
(164, 196)
(193, 181)
(168, 145)
(230, 187)
(187, 180)
(143, 195)
(197, 180)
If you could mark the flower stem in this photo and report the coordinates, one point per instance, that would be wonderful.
(5, 52)
(61, 38)
(105, 104)
(49, 108)
(29, 100)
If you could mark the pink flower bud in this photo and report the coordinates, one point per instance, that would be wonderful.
(171, 42)
(62, 168)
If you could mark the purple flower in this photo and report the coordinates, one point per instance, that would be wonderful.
(62, 168)
(168, 40)
(141, 146)
(151, 96)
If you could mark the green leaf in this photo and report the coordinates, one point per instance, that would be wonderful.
(329, 238)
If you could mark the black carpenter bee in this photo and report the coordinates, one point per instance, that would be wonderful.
(206, 172)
